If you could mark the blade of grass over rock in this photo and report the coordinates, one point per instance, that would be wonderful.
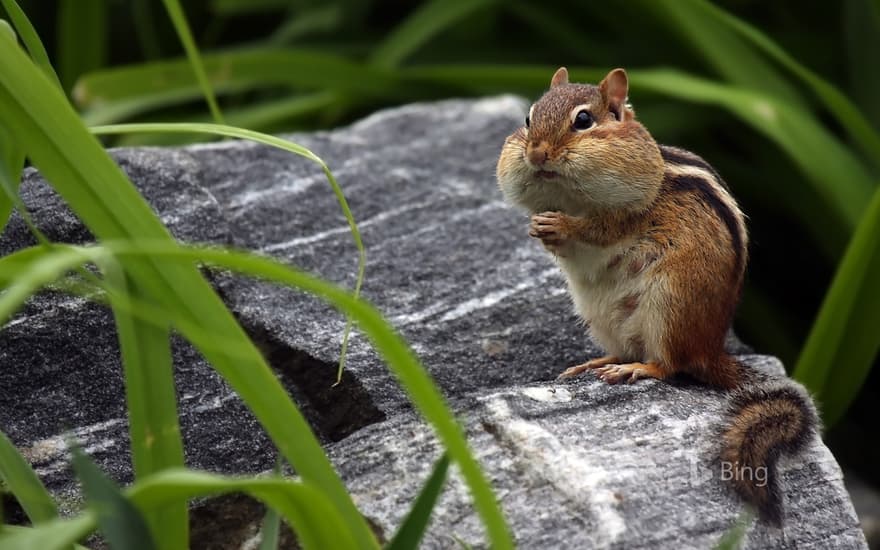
(271, 114)
(844, 339)
(31, 39)
(23, 483)
(57, 534)
(81, 39)
(388, 343)
(311, 514)
(429, 19)
(410, 533)
(11, 162)
(734, 537)
(151, 403)
(175, 12)
(393, 349)
(111, 208)
(120, 522)
(26, 271)
(269, 530)
(846, 112)
(281, 144)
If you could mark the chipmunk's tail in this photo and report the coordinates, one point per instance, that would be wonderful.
(767, 419)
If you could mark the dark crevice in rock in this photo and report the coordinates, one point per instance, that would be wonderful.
(334, 412)
(13, 513)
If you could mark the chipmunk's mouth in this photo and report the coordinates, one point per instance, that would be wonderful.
(546, 174)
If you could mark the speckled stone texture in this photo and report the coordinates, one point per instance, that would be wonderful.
(576, 464)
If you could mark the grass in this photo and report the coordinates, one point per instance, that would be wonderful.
(59, 145)
(799, 138)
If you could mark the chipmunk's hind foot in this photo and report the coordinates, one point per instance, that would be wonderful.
(630, 372)
(591, 364)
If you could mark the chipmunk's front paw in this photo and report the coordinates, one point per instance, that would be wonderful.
(552, 228)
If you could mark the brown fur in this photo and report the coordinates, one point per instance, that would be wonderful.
(674, 223)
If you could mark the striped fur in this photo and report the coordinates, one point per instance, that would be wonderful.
(766, 421)
(654, 249)
(688, 173)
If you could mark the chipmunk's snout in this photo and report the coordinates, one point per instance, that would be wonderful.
(536, 153)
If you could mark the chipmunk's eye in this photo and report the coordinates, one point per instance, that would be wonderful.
(528, 119)
(582, 120)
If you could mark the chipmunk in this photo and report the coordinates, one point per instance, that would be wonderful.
(654, 249)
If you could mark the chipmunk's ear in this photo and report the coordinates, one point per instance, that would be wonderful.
(614, 88)
(559, 77)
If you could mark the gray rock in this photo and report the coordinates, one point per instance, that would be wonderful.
(575, 464)
(866, 500)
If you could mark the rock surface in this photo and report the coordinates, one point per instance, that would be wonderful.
(579, 464)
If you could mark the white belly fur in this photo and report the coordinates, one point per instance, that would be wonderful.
(598, 292)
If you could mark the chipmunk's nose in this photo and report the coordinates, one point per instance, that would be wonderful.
(536, 153)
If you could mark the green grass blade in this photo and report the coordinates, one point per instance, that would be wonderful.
(138, 88)
(7, 30)
(735, 536)
(82, 38)
(11, 162)
(151, 403)
(306, 22)
(846, 112)
(269, 530)
(281, 144)
(266, 116)
(109, 205)
(397, 355)
(428, 19)
(175, 12)
(120, 522)
(404, 364)
(317, 523)
(31, 39)
(735, 59)
(23, 482)
(58, 534)
(410, 533)
(844, 338)
(26, 271)
(388, 343)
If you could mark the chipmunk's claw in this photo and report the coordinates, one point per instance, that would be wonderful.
(629, 372)
(591, 364)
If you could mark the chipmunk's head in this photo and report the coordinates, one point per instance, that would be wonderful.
(581, 150)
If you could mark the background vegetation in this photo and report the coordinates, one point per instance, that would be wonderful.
(783, 98)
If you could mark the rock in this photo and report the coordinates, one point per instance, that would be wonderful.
(574, 464)
(866, 500)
